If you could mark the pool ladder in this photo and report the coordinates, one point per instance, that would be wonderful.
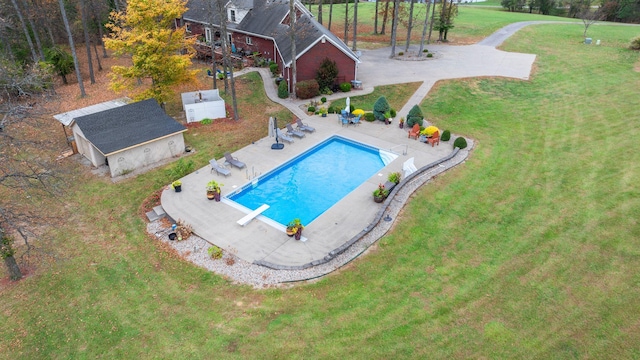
(253, 175)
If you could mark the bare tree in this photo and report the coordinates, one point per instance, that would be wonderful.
(409, 26)
(424, 28)
(330, 14)
(226, 54)
(29, 180)
(320, 11)
(87, 40)
(346, 23)
(375, 20)
(394, 28)
(34, 29)
(385, 17)
(73, 47)
(590, 17)
(25, 30)
(292, 34)
(355, 24)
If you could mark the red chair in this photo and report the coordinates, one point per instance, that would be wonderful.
(415, 131)
(434, 139)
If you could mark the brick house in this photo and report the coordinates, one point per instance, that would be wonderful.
(263, 26)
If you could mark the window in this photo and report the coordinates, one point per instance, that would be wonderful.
(207, 35)
(187, 27)
(248, 40)
(232, 15)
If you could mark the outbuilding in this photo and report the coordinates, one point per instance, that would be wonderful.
(125, 137)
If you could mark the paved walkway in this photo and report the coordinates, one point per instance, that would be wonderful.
(262, 241)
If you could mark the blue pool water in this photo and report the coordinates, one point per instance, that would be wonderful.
(311, 183)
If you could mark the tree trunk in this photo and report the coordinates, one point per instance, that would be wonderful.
(346, 23)
(433, 16)
(355, 24)
(73, 48)
(34, 29)
(7, 46)
(394, 28)
(294, 69)
(13, 268)
(95, 48)
(375, 20)
(98, 25)
(87, 41)
(409, 26)
(320, 11)
(385, 17)
(424, 29)
(25, 31)
(330, 14)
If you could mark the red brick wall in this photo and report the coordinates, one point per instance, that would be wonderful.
(309, 63)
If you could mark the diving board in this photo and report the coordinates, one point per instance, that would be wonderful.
(252, 215)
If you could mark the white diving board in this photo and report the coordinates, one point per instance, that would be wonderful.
(252, 215)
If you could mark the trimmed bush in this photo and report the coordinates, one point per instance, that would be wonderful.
(635, 43)
(460, 142)
(429, 55)
(274, 68)
(393, 113)
(446, 135)
(380, 107)
(331, 110)
(283, 90)
(415, 116)
(307, 89)
(345, 87)
(323, 99)
(401, 53)
(369, 116)
(311, 109)
(327, 73)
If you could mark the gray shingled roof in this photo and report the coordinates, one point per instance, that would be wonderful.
(126, 126)
(264, 20)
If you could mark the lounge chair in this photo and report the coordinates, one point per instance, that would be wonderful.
(434, 139)
(304, 127)
(294, 132)
(234, 161)
(283, 137)
(219, 169)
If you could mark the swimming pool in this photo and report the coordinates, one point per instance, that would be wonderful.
(309, 184)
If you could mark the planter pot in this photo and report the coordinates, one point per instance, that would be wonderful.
(290, 232)
(298, 234)
(216, 196)
(378, 199)
(177, 188)
(401, 125)
(172, 236)
(324, 115)
(211, 195)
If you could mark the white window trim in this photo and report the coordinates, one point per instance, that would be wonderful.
(248, 40)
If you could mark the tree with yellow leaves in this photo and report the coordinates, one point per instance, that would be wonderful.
(158, 52)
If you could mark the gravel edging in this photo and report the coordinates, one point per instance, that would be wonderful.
(264, 275)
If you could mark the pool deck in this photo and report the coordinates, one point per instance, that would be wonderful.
(216, 222)
(258, 240)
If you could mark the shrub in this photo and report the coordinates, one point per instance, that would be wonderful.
(327, 73)
(326, 91)
(215, 252)
(345, 87)
(446, 135)
(380, 107)
(311, 109)
(393, 113)
(429, 55)
(415, 116)
(283, 90)
(181, 169)
(206, 121)
(369, 116)
(323, 99)
(460, 142)
(331, 110)
(425, 51)
(635, 43)
(307, 89)
(401, 53)
(394, 177)
(274, 68)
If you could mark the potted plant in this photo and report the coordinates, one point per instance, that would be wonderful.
(401, 123)
(213, 190)
(387, 118)
(294, 228)
(380, 194)
(394, 177)
(177, 185)
(323, 111)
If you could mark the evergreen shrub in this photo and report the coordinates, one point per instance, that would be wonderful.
(460, 142)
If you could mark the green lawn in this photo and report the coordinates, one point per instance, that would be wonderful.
(530, 249)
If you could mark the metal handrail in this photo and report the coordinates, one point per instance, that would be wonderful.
(406, 148)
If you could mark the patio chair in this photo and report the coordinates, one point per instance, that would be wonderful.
(415, 131)
(294, 132)
(356, 120)
(219, 169)
(234, 161)
(304, 127)
(434, 139)
(283, 137)
(344, 120)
